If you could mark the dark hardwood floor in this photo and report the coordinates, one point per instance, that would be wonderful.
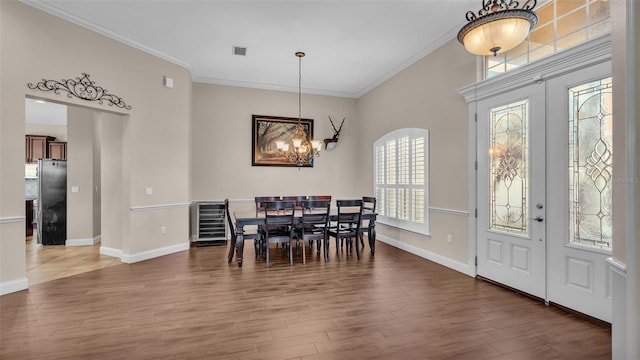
(193, 305)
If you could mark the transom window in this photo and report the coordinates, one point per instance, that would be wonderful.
(401, 179)
(562, 24)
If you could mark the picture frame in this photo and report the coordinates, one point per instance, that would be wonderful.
(266, 130)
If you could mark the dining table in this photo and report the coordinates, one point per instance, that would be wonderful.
(248, 218)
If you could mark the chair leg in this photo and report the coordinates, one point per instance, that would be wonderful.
(362, 239)
(325, 246)
(267, 252)
(338, 249)
(290, 254)
(304, 250)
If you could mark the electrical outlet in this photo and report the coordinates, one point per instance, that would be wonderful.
(449, 238)
(163, 229)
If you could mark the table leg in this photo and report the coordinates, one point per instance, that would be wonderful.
(372, 239)
(240, 249)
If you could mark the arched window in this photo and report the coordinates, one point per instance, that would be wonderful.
(401, 179)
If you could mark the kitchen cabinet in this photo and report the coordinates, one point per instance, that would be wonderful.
(58, 150)
(36, 147)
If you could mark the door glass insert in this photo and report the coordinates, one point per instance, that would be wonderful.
(508, 168)
(590, 164)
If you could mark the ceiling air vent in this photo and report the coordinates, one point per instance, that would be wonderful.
(238, 50)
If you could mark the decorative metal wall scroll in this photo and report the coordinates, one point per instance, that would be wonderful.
(82, 88)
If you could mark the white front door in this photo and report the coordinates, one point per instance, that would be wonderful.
(511, 189)
(580, 160)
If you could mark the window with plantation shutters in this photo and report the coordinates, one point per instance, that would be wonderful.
(401, 173)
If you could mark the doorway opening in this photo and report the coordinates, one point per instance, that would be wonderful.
(69, 135)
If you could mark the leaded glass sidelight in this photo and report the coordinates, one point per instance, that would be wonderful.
(590, 163)
(508, 168)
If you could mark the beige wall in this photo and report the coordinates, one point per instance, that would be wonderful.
(155, 136)
(80, 173)
(425, 96)
(221, 145)
(111, 128)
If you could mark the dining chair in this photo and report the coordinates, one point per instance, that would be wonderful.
(261, 199)
(368, 206)
(279, 225)
(314, 226)
(348, 223)
(297, 199)
(319, 197)
(257, 237)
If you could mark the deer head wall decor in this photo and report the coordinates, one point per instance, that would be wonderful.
(330, 143)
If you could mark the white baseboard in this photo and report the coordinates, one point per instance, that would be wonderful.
(111, 252)
(467, 269)
(146, 255)
(82, 242)
(12, 286)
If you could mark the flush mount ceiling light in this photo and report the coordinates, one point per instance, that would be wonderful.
(499, 26)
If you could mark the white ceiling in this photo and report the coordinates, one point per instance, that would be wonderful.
(351, 46)
(40, 112)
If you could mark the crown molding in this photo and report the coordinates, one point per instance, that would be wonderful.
(50, 8)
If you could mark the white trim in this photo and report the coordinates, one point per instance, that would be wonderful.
(83, 242)
(12, 286)
(617, 267)
(590, 53)
(632, 26)
(448, 211)
(158, 207)
(12, 219)
(467, 269)
(150, 254)
(111, 252)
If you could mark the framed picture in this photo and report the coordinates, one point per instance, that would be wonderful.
(266, 130)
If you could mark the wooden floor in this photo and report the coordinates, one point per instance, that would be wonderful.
(193, 305)
(46, 263)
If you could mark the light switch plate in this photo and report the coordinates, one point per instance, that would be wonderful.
(75, 189)
(148, 191)
(168, 82)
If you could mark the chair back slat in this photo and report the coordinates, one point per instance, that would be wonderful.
(278, 214)
(349, 213)
(319, 197)
(297, 199)
(369, 203)
(262, 199)
(315, 212)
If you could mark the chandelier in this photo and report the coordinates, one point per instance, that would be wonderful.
(499, 26)
(299, 150)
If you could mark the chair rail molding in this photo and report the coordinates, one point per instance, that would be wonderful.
(12, 219)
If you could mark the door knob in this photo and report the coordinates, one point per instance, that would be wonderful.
(538, 219)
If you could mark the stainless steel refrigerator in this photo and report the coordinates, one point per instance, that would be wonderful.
(52, 202)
